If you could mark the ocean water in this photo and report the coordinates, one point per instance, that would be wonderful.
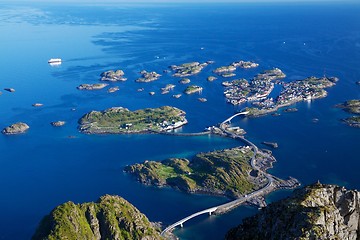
(46, 167)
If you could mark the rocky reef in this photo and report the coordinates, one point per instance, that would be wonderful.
(317, 211)
(16, 128)
(111, 217)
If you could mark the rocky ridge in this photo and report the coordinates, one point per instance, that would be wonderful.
(111, 217)
(317, 211)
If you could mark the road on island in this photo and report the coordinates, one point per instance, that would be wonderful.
(235, 203)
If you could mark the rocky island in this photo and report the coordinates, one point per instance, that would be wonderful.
(148, 77)
(317, 211)
(58, 123)
(193, 89)
(184, 81)
(113, 89)
(351, 106)
(9, 89)
(188, 69)
(119, 120)
(91, 87)
(16, 128)
(113, 76)
(111, 217)
(227, 71)
(224, 172)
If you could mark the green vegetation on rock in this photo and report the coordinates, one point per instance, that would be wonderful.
(314, 212)
(122, 120)
(224, 172)
(111, 217)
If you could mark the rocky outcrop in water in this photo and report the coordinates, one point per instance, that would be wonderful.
(111, 217)
(113, 76)
(16, 128)
(314, 212)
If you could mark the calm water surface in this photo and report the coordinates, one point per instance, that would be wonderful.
(44, 167)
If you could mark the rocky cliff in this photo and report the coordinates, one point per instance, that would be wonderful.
(314, 212)
(111, 217)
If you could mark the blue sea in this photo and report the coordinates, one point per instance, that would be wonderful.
(48, 166)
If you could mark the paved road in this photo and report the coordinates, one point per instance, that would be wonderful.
(230, 205)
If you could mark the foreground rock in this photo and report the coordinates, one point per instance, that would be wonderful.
(122, 120)
(314, 212)
(111, 217)
(16, 128)
(113, 76)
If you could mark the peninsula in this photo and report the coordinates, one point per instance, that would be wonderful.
(119, 120)
(111, 217)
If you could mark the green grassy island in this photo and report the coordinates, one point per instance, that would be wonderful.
(224, 172)
(119, 120)
(111, 217)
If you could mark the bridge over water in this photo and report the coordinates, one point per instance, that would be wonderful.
(230, 205)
